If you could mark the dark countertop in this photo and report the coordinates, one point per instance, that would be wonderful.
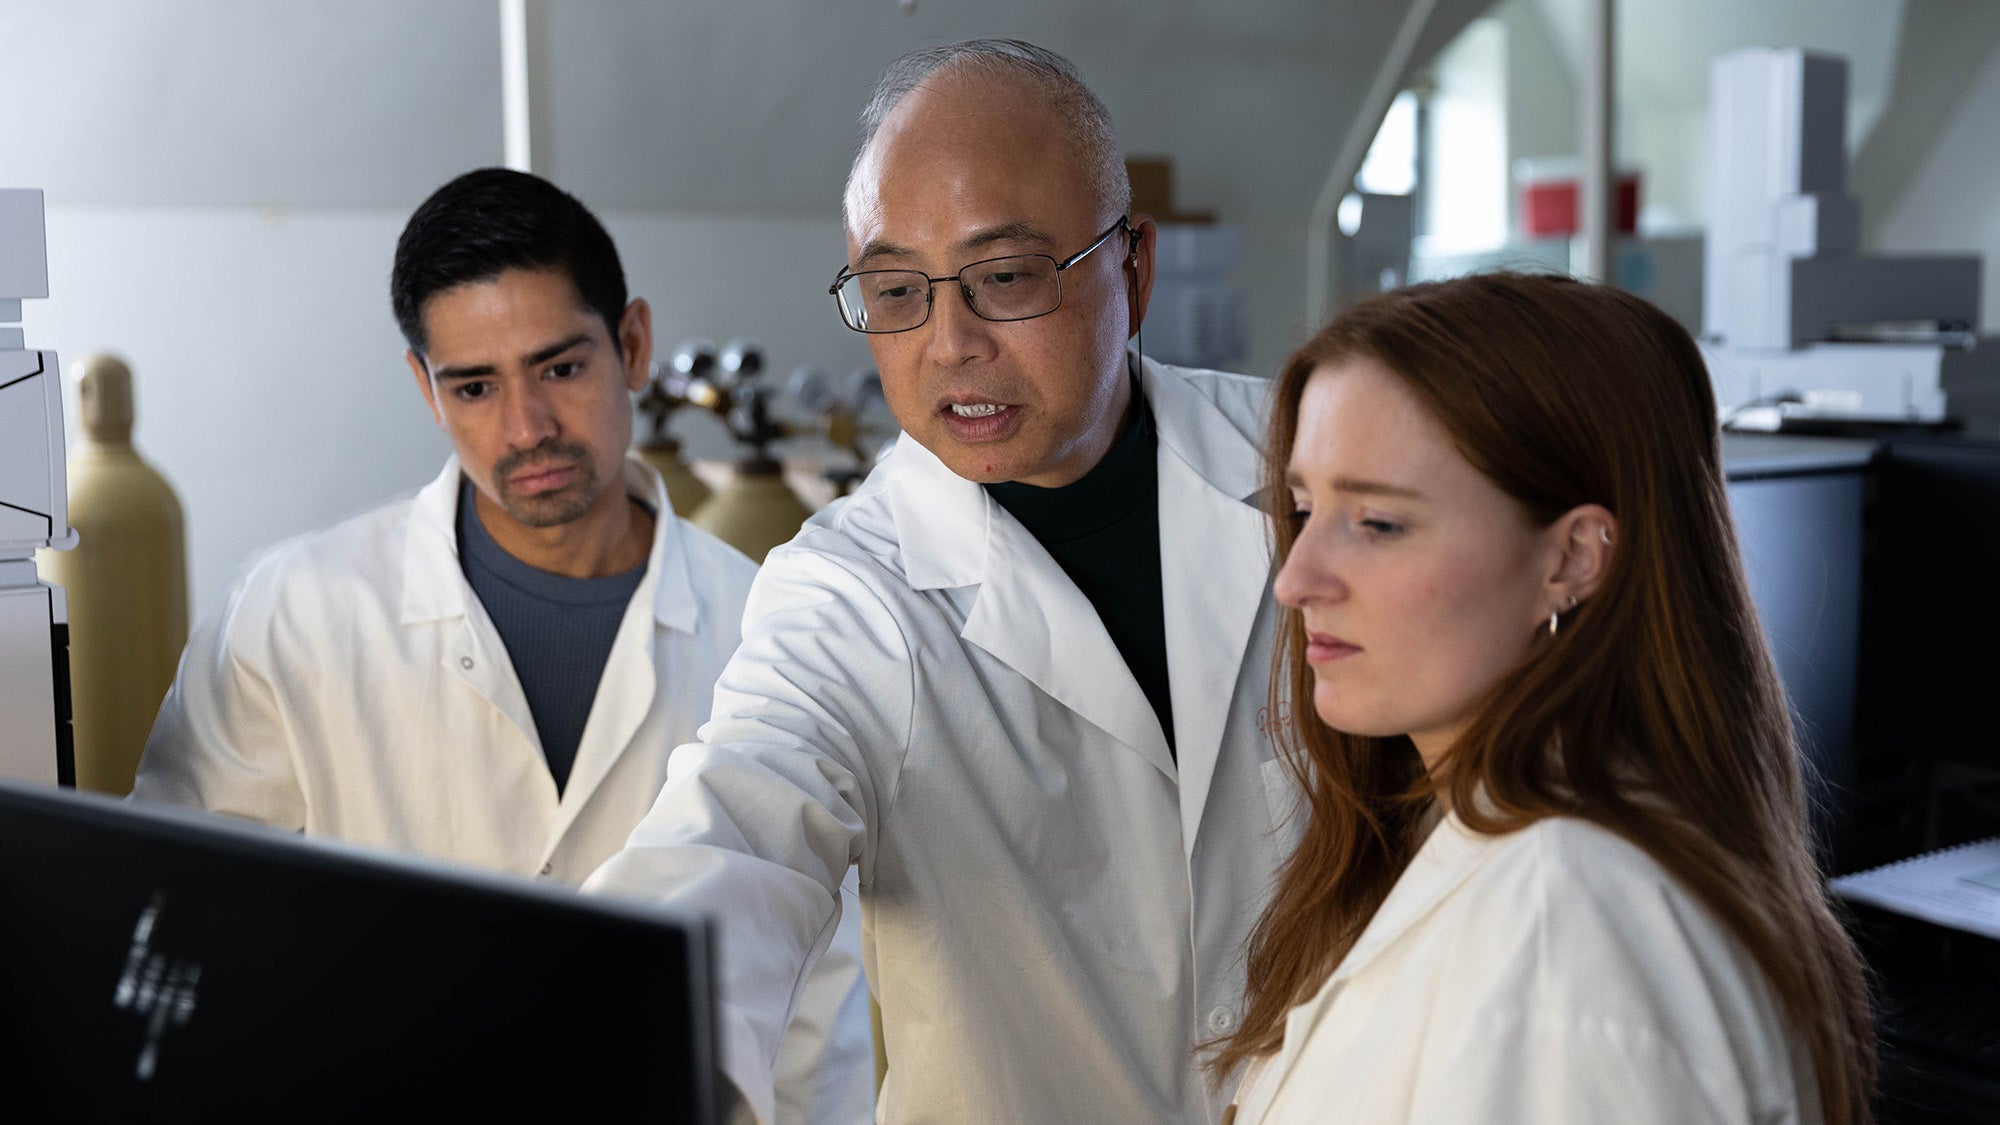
(1748, 456)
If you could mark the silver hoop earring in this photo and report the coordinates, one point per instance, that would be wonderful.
(1555, 615)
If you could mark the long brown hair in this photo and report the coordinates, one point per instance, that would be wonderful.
(1655, 712)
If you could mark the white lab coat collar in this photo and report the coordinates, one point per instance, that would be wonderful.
(1446, 860)
(1195, 429)
(434, 586)
(944, 521)
(954, 535)
(435, 590)
(1450, 856)
(1215, 570)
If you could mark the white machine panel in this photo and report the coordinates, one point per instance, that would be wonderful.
(27, 681)
(24, 267)
(1798, 322)
(34, 509)
(34, 512)
(1197, 317)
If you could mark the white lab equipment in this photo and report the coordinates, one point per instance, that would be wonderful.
(1797, 322)
(1374, 249)
(35, 740)
(1197, 316)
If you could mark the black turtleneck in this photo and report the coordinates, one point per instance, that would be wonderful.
(1104, 531)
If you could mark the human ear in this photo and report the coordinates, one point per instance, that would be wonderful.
(1585, 539)
(425, 384)
(635, 343)
(1138, 269)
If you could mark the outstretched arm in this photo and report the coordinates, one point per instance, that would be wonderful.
(760, 820)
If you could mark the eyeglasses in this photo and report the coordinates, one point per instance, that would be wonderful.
(1017, 287)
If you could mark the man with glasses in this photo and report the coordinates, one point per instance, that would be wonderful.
(1017, 678)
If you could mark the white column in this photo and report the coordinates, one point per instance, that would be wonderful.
(1596, 195)
(1322, 284)
(524, 85)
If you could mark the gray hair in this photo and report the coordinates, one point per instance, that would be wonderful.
(1055, 77)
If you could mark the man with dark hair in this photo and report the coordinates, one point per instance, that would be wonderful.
(494, 670)
(1018, 678)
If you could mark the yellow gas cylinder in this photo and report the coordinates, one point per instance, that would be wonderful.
(755, 511)
(685, 491)
(127, 582)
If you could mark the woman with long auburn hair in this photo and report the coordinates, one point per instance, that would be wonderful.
(1555, 863)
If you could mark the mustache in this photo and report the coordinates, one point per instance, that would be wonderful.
(551, 450)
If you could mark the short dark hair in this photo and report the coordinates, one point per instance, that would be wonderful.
(495, 219)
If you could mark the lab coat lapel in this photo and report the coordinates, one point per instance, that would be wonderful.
(1215, 572)
(435, 592)
(1031, 617)
(478, 658)
(624, 698)
(665, 600)
(1026, 613)
(434, 587)
(1445, 861)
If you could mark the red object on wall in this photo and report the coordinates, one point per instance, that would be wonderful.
(1548, 207)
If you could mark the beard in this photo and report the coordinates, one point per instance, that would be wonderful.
(548, 509)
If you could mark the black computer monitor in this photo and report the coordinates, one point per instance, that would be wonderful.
(162, 965)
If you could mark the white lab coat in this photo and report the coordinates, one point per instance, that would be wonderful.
(1556, 974)
(1054, 909)
(353, 686)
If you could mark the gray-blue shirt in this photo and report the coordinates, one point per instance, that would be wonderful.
(558, 631)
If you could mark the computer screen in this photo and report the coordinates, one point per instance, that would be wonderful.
(162, 965)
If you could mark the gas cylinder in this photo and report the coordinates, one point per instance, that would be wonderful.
(127, 581)
(667, 391)
(685, 491)
(755, 511)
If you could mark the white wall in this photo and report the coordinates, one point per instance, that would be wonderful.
(1466, 199)
(270, 380)
(241, 103)
(1952, 203)
(704, 106)
(226, 179)
(1542, 87)
(259, 360)
(1663, 52)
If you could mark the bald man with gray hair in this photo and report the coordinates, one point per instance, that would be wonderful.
(1086, 123)
(1018, 679)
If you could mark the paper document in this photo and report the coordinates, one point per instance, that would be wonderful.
(1957, 887)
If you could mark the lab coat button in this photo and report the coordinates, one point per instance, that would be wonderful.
(1222, 1021)
(465, 662)
(548, 868)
